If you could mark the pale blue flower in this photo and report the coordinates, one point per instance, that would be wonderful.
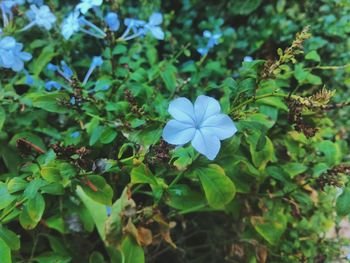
(64, 70)
(11, 55)
(247, 59)
(52, 84)
(141, 28)
(70, 25)
(213, 39)
(153, 26)
(202, 124)
(96, 62)
(74, 23)
(133, 25)
(85, 5)
(75, 134)
(112, 21)
(41, 17)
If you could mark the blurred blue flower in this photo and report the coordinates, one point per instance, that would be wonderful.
(64, 70)
(36, 2)
(247, 59)
(72, 101)
(134, 25)
(213, 39)
(75, 134)
(29, 78)
(41, 17)
(112, 21)
(74, 23)
(70, 25)
(141, 28)
(153, 26)
(202, 124)
(96, 62)
(11, 55)
(108, 210)
(49, 85)
(85, 5)
(6, 7)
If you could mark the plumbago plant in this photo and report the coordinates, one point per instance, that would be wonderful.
(124, 142)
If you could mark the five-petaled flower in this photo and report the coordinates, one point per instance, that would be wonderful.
(41, 17)
(11, 54)
(202, 124)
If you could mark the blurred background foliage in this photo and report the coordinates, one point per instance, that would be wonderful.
(287, 164)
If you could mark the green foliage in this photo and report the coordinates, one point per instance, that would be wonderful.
(94, 181)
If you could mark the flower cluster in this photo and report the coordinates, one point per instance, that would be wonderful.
(76, 22)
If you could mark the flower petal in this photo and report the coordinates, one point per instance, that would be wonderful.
(206, 143)
(204, 107)
(178, 133)
(182, 110)
(221, 125)
(157, 32)
(156, 19)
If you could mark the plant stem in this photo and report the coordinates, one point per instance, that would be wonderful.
(177, 178)
(252, 99)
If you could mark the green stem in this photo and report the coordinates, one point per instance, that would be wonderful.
(177, 178)
(193, 209)
(252, 99)
(12, 208)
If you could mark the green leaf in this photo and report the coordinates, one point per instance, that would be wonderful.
(343, 203)
(97, 188)
(26, 221)
(313, 55)
(11, 239)
(294, 169)
(35, 207)
(108, 135)
(168, 75)
(5, 198)
(5, 252)
(49, 102)
(56, 222)
(16, 184)
(271, 226)
(43, 59)
(218, 188)
(331, 151)
(265, 155)
(96, 257)
(133, 253)
(244, 7)
(2, 117)
(97, 211)
(181, 197)
(119, 49)
(142, 175)
(96, 134)
(114, 223)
